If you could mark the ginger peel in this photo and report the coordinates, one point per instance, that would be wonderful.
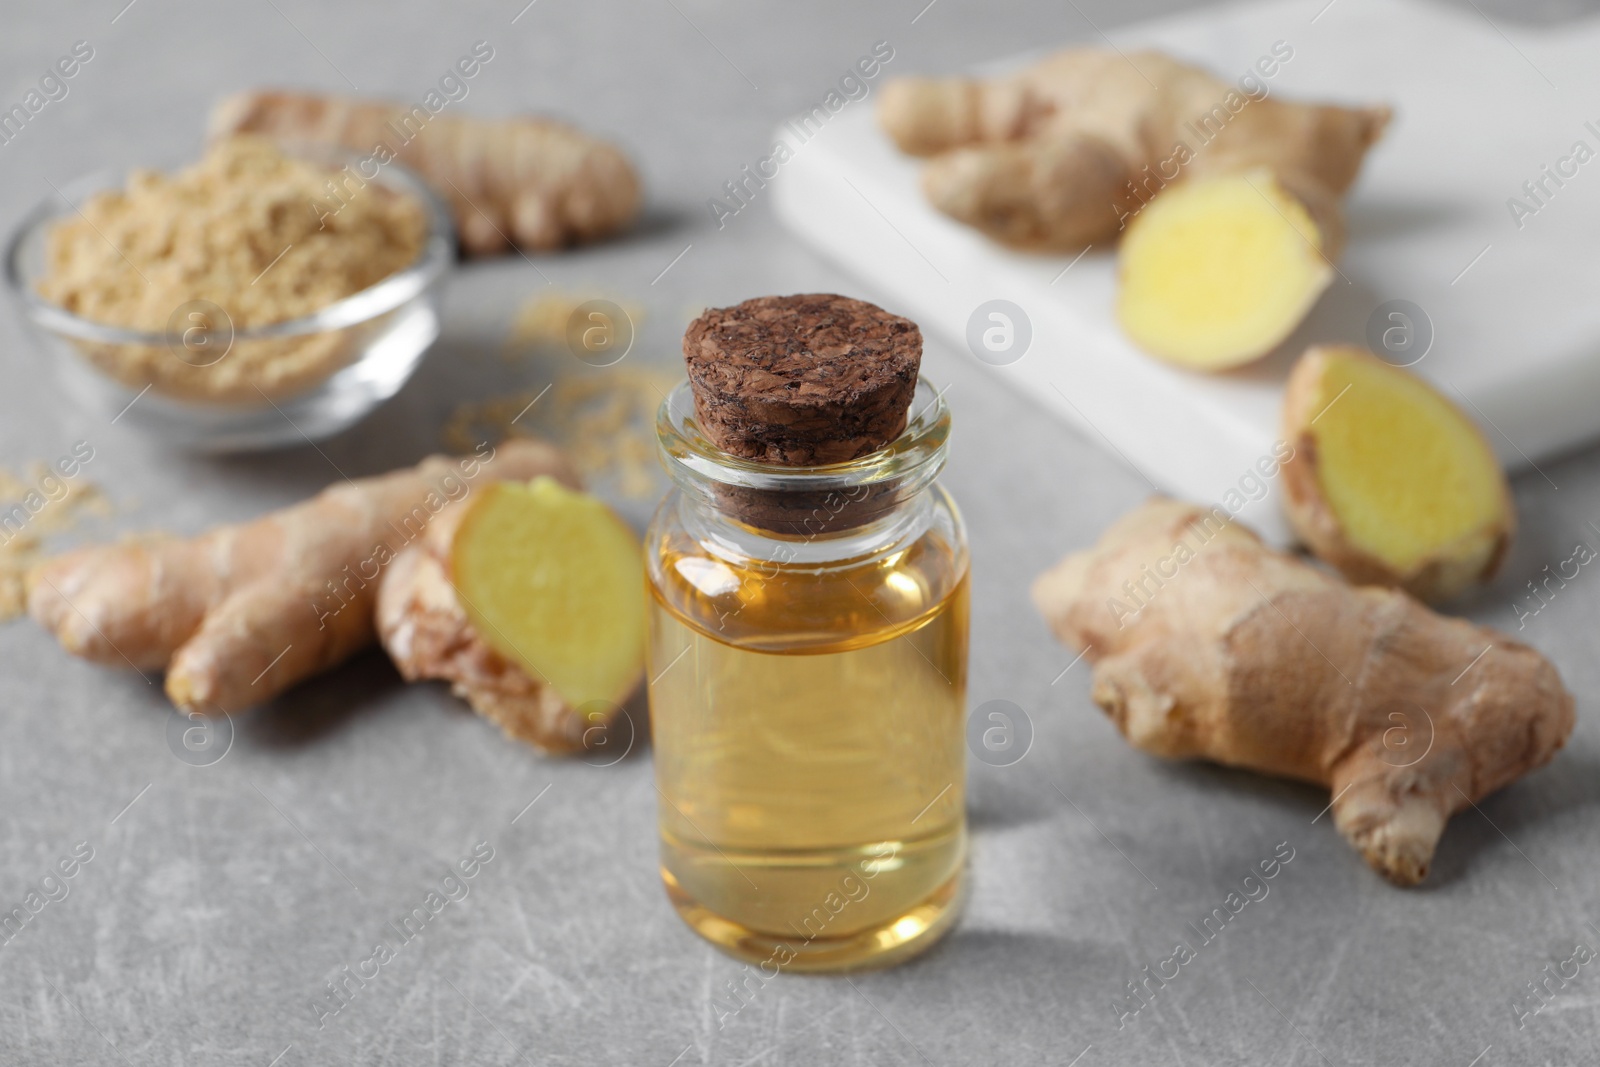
(531, 182)
(243, 612)
(1390, 482)
(1254, 659)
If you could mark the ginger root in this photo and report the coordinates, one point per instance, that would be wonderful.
(1208, 644)
(542, 629)
(1055, 156)
(554, 580)
(1233, 195)
(534, 182)
(1391, 482)
(242, 612)
(428, 636)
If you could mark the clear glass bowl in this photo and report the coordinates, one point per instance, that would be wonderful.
(374, 338)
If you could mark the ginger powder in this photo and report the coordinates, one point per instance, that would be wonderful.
(242, 229)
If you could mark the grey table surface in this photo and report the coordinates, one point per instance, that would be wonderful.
(221, 900)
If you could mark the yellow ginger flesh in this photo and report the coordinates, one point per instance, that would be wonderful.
(1403, 470)
(1215, 272)
(554, 581)
(1391, 482)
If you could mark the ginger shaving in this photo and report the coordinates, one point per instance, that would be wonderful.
(604, 417)
(541, 322)
(24, 528)
(605, 422)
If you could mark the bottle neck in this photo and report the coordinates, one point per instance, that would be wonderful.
(805, 515)
(727, 534)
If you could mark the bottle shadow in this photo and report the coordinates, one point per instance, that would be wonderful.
(1025, 959)
(992, 809)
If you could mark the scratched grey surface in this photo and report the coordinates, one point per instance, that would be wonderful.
(219, 904)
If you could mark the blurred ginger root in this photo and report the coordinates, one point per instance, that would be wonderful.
(244, 611)
(531, 182)
(1229, 198)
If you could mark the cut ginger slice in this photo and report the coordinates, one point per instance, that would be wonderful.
(553, 580)
(1391, 482)
(1215, 272)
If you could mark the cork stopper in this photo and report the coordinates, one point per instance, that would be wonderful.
(802, 381)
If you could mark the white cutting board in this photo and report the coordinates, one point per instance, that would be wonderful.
(1480, 107)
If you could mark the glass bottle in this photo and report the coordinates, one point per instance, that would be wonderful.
(807, 664)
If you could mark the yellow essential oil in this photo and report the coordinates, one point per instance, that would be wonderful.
(807, 700)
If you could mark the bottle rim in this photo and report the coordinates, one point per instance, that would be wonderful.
(910, 461)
